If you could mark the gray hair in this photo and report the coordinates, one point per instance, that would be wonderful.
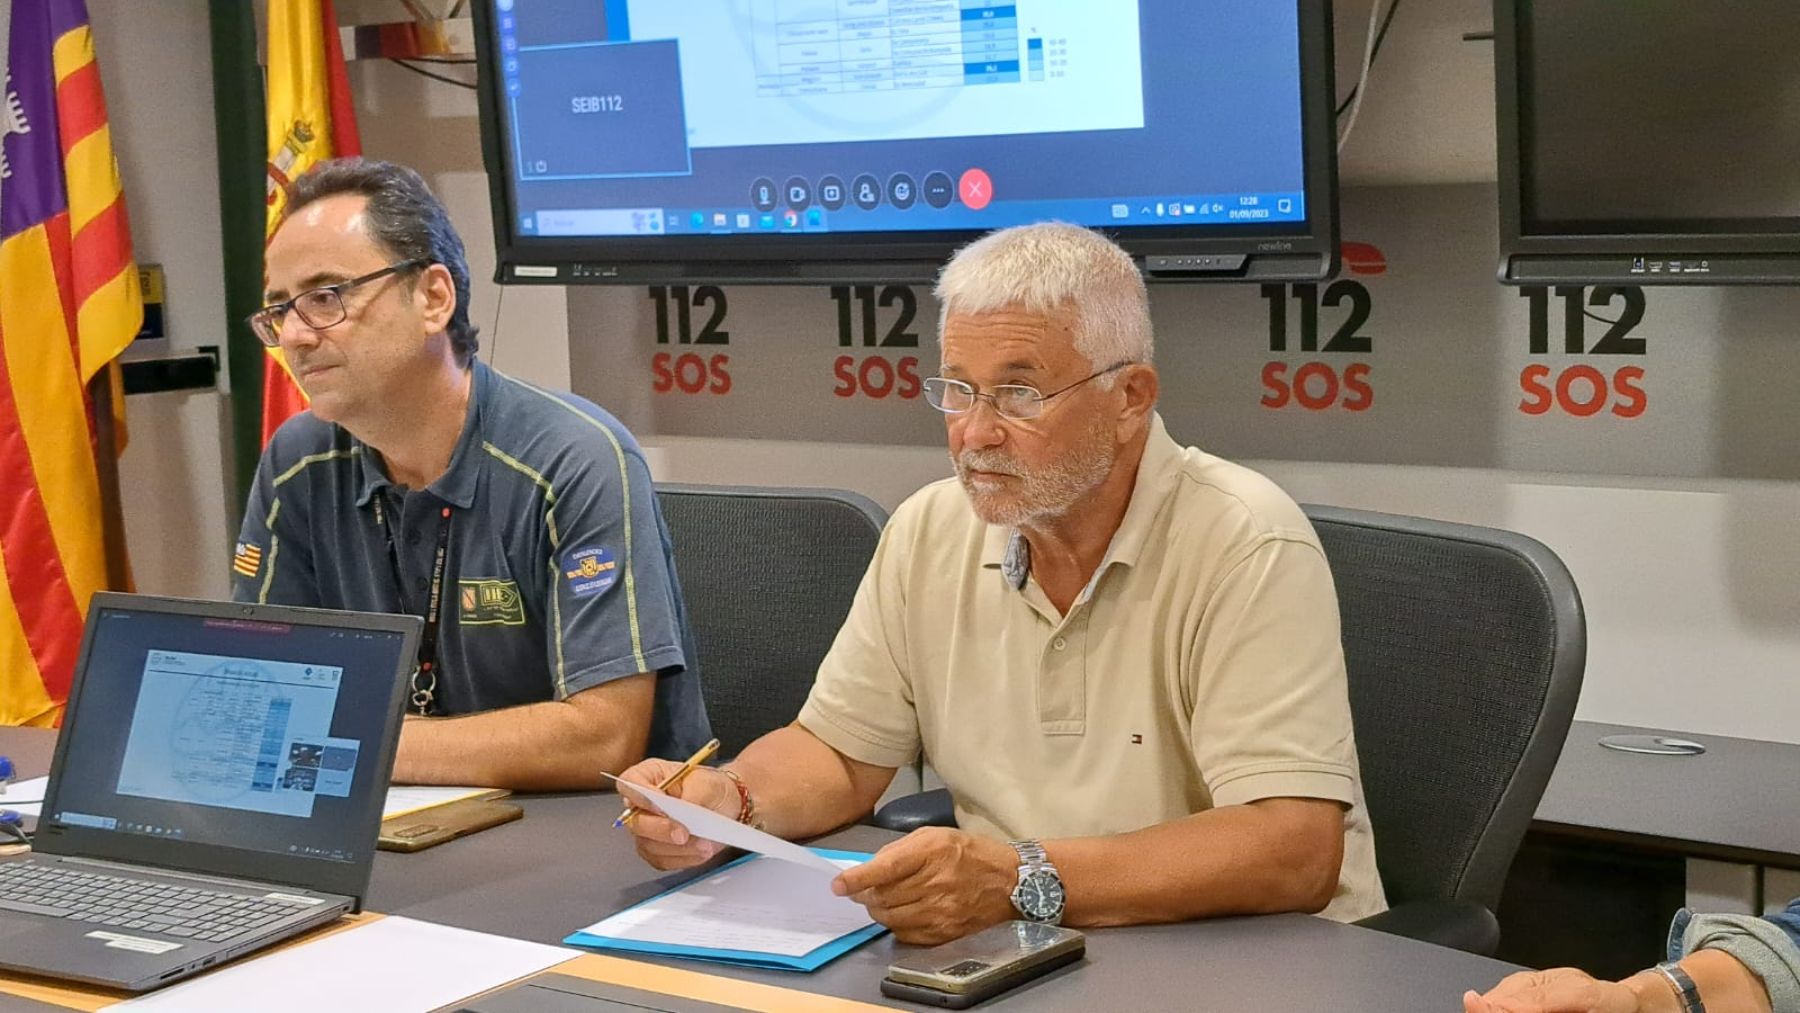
(405, 217)
(1044, 267)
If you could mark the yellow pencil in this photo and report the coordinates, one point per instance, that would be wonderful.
(672, 780)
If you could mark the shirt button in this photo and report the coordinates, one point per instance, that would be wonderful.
(1059, 643)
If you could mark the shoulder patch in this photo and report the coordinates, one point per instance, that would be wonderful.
(247, 560)
(590, 570)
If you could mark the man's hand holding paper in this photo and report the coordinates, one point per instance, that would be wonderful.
(935, 884)
(661, 841)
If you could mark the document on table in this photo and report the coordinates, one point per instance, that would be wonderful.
(389, 964)
(25, 797)
(757, 910)
(703, 822)
(410, 799)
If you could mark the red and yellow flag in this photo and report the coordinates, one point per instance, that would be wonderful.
(69, 304)
(310, 119)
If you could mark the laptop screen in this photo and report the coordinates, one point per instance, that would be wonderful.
(253, 735)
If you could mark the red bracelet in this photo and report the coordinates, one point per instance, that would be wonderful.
(746, 808)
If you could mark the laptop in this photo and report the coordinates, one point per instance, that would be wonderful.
(217, 787)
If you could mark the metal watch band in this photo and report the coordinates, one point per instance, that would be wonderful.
(1684, 986)
(1030, 852)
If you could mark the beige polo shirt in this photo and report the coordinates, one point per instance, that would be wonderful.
(1201, 666)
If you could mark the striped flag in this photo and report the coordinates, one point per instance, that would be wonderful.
(69, 304)
(310, 119)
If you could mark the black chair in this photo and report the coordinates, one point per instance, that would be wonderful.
(768, 576)
(1465, 648)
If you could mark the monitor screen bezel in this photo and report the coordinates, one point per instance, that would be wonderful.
(1595, 248)
(323, 875)
(1271, 252)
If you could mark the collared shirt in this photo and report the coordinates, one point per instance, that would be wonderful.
(560, 575)
(1200, 667)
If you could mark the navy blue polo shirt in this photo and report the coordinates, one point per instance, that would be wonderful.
(560, 575)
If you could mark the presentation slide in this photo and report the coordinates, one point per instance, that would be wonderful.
(819, 71)
(734, 117)
(238, 733)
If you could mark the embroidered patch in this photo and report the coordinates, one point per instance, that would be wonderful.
(489, 603)
(247, 560)
(590, 571)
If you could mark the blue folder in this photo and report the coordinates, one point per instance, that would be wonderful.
(811, 961)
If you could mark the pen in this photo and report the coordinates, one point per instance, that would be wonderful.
(673, 779)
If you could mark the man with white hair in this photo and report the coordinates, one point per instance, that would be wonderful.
(1121, 655)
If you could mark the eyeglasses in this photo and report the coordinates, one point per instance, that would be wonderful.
(320, 307)
(1015, 401)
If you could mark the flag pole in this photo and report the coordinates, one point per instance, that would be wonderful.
(106, 464)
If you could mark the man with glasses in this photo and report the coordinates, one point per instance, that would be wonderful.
(519, 523)
(1121, 655)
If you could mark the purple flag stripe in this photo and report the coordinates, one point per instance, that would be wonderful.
(34, 192)
(66, 15)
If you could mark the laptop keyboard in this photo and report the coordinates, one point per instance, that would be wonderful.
(134, 904)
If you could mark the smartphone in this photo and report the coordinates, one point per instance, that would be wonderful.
(978, 967)
(420, 830)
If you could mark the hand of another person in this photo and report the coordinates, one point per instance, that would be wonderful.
(661, 841)
(935, 884)
(1565, 990)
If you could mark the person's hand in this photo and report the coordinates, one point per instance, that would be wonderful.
(935, 884)
(661, 841)
(1569, 990)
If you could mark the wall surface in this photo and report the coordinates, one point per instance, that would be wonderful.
(1677, 521)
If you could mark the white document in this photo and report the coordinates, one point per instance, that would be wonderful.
(395, 964)
(760, 906)
(25, 797)
(703, 822)
(403, 800)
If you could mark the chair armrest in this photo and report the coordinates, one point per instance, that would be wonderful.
(925, 809)
(1459, 924)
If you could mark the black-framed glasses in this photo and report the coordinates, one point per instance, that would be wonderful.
(1017, 401)
(320, 307)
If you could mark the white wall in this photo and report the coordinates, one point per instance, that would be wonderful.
(1692, 585)
(156, 65)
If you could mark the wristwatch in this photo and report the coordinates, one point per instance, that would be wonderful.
(1038, 896)
(1685, 989)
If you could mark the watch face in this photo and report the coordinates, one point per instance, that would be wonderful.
(1039, 894)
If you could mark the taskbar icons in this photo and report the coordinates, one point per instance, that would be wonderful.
(974, 189)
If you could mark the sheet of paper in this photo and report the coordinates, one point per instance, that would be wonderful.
(25, 797)
(759, 906)
(391, 964)
(403, 800)
(30, 789)
(703, 822)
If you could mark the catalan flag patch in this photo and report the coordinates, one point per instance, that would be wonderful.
(247, 560)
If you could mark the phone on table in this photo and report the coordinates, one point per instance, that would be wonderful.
(427, 827)
(975, 968)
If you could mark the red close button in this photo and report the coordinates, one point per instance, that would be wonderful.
(976, 189)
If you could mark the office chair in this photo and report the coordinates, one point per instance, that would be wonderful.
(768, 576)
(1465, 648)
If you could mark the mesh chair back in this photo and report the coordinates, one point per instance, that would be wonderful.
(1465, 648)
(768, 576)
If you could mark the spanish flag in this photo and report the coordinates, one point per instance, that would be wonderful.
(69, 304)
(310, 119)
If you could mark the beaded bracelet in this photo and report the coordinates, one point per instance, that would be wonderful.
(746, 808)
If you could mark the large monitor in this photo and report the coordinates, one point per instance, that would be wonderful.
(1649, 142)
(632, 141)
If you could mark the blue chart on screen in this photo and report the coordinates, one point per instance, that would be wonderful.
(672, 117)
(238, 733)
